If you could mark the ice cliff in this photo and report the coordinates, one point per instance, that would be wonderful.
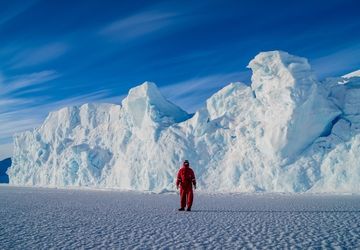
(287, 132)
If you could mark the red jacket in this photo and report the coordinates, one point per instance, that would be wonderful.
(186, 178)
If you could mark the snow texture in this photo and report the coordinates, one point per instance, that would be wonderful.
(287, 132)
(42, 218)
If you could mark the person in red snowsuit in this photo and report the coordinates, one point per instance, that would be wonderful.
(186, 180)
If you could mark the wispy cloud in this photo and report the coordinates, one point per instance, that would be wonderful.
(20, 114)
(99, 97)
(14, 115)
(139, 25)
(29, 113)
(33, 115)
(21, 82)
(17, 121)
(14, 9)
(337, 63)
(43, 54)
(191, 95)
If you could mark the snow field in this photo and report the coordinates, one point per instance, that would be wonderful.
(43, 218)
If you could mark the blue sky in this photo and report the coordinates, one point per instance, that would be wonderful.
(55, 54)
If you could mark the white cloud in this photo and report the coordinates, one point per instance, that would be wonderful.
(23, 114)
(99, 96)
(16, 9)
(139, 25)
(16, 113)
(32, 113)
(337, 62)
(192, 94)
(12, 88)
(16, 122)
(46, 53)
(23, 81)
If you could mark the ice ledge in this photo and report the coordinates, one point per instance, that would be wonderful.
(145, 105)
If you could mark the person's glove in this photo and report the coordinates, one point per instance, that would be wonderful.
(177, 187)
(194, 186)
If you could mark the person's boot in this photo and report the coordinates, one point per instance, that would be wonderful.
(188, 209)
(181, 209)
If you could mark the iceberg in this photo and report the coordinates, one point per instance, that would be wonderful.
(286, 132)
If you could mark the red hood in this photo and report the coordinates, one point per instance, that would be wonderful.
(186, 166)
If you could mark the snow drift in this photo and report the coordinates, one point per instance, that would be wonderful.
(287, 132)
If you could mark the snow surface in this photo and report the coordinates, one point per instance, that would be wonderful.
(287, 132)
(42, 218)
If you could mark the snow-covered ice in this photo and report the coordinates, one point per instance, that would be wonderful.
(287, 132)
(352, 74)
(42, 218)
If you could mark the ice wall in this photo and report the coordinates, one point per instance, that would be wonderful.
(287, 132)
(290, 102)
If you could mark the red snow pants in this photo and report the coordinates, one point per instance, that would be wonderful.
(186, 197)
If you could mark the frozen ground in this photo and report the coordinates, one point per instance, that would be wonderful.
(42, 218)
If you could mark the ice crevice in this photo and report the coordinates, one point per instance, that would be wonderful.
(283, 133)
